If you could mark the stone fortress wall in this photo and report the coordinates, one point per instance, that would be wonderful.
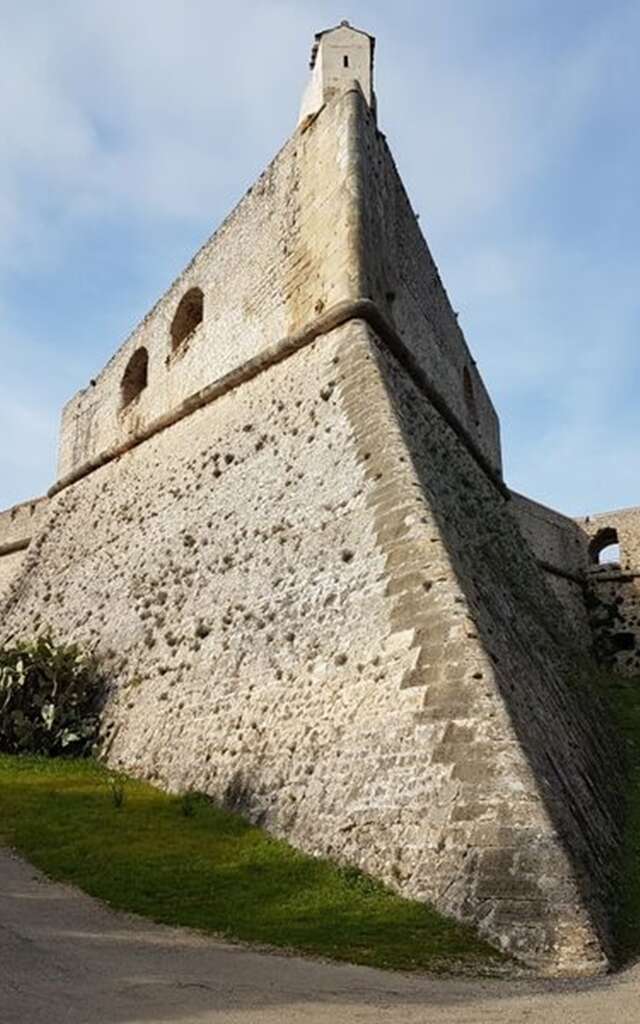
(602, 598)
(18, 525)
(561, 549)
(613, 587)
(291, 253)
(399, 274)
(277, 260)
(284, 529)
(303, 618)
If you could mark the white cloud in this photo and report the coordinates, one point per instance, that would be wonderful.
(142, 107)
(154, 113)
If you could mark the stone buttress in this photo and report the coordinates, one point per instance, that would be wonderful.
(294, 554)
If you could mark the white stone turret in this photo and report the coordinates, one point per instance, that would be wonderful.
(340, 56)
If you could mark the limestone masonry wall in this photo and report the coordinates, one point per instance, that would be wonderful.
(10, 566)
(561, 548)
(309, 235)
(17, 526)
(613, 596)
(280, 259)
(338, 58)
(399, 273)
(602, 600)
(625, 522)
(19, 522)
(315, 607)
(310, 594)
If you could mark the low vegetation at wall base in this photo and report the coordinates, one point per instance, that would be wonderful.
(50, 698)
(182, 861)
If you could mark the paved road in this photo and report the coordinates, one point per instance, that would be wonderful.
(66, 959)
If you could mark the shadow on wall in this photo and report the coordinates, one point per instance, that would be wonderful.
(561, 727)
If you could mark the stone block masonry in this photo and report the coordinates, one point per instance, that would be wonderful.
(17, 526)
(561, 549)
(283, 256)
(300, 594)
(281, 523)
(613, 586)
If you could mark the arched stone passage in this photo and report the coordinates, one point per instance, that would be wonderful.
(187, 316)
(605, 547)
(135, 377)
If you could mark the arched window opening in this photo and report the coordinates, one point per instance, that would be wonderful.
(187, 317)
(469, 396)
(134, 379)
(604, 549)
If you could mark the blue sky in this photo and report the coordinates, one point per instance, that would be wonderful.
(130, 129)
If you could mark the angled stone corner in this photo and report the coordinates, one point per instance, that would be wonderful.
(545, 866)
(291, 545)
(520, 831)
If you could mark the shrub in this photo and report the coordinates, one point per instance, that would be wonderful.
(116, 785)
(50, 699)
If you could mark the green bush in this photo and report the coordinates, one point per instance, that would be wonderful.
(50, 699)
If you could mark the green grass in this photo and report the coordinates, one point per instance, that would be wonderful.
(191, 863)
(624, 699)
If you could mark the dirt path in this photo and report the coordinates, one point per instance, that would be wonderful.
(66, 959)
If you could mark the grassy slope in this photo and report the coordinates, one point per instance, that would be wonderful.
(213, 871)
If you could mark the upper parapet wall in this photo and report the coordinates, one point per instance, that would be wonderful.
(285, 254)
(400, 275)
(557, 541)
(18, 523)
(328, 223)
(17, 528)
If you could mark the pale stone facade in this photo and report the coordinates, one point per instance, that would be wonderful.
(613, 587)
(280, 520)
(17, 527)
(340, 58)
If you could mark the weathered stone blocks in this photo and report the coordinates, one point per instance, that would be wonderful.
(295, 556)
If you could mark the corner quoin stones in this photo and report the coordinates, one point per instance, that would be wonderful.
(280, 519)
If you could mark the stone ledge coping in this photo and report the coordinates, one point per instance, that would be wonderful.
(14, 545)
(614, 577)
(20, 505)
(573, 577)
(589, 576)
(336, 316)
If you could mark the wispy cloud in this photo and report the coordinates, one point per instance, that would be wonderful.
(130, 129)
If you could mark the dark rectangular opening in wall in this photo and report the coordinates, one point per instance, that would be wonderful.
(345, 61)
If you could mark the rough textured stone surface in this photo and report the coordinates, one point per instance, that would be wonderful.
(399, 273)
(284, 255)
(316, 607)
(10, 565)
(561, 548)
(613, 589)
(17, 526)
(339, 57)
(312, 597)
